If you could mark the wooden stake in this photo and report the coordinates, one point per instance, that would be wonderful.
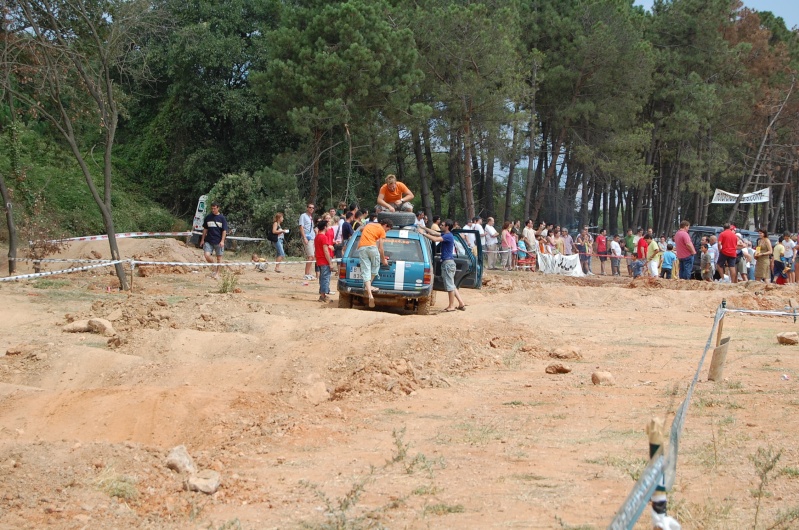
(716, 371)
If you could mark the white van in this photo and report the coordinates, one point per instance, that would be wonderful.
(197, 224)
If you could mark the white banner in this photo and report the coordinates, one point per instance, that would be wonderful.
(724, 197)
(559, 264)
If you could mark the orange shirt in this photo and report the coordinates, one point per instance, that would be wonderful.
(370, 234)
(393, 196)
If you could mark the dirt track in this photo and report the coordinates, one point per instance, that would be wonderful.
(440, 421)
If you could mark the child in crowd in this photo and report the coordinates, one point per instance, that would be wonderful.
(260, 263)
(521, 252)
(667, 264)
(706, 264)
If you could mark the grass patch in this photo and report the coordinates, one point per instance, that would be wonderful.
(566, 526)
(475, 434)
(709, 515)
(229, 281)
(443, 509)
(527, 477)
(703, 403)
(174, 299)
(50, 283)
(517, 403)
(115, 485)
(427, 489)
(395, 412)
(630, 466)
(792, 472)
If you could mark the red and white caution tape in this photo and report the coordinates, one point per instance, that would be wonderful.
(63, 271)
(123, 235)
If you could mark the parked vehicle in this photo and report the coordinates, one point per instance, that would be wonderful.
(197, 223)
(697, 232)
(413, 274)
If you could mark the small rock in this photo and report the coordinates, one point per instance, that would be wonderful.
(114, 342)
(20, 349)
(558, 369)
(77, 326)
(317, 393)
(102, 326)
(206, 481)
(115, 315)
(566, 353)
(179, 460)
(602, 378)
(788, 337)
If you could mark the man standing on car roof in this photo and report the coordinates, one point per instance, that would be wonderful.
(213, 238)
(395, 196)
(447, 241)
(370, 252)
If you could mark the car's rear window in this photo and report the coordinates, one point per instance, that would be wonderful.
(403, 249)
(396, 249)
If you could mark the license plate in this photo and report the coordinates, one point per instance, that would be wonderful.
(355, 273)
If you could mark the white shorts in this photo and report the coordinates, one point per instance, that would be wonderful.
(653, 268)
(310, 250)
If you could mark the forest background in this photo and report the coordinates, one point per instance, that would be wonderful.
(119, 114)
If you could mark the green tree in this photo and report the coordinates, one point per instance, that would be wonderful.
(335, 65)
(64, 64)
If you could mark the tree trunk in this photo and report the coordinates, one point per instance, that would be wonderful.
(313, 193)
(757, 160)
(468, 188)
(400, 154)
(6, 198)
(453, 174)
(489, 179)
(507, 216)
(431, 172)
(549, 173)
(422, 170)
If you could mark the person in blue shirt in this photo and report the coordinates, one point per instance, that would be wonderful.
(669, 257)
(213, 238)
(447, 241)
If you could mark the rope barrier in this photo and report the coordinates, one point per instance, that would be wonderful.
(62, 271)
(662, 469)
(124, 235)
(98, 263)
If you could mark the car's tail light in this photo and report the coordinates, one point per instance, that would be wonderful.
(427, 278)
(342, 269)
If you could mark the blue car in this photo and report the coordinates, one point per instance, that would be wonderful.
(413, 274)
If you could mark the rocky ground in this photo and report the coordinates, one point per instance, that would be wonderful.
(314, 416)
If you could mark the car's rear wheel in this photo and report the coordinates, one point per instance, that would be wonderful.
(398, 218)
(424, 304)
(344, 300)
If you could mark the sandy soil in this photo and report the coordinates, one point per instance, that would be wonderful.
(329, 418)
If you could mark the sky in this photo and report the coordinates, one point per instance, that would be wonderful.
(787, 9)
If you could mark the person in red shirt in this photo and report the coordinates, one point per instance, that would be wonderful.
(728, 251)
(324, 258)
(685, 250)
(643, 246)
(602, 249)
